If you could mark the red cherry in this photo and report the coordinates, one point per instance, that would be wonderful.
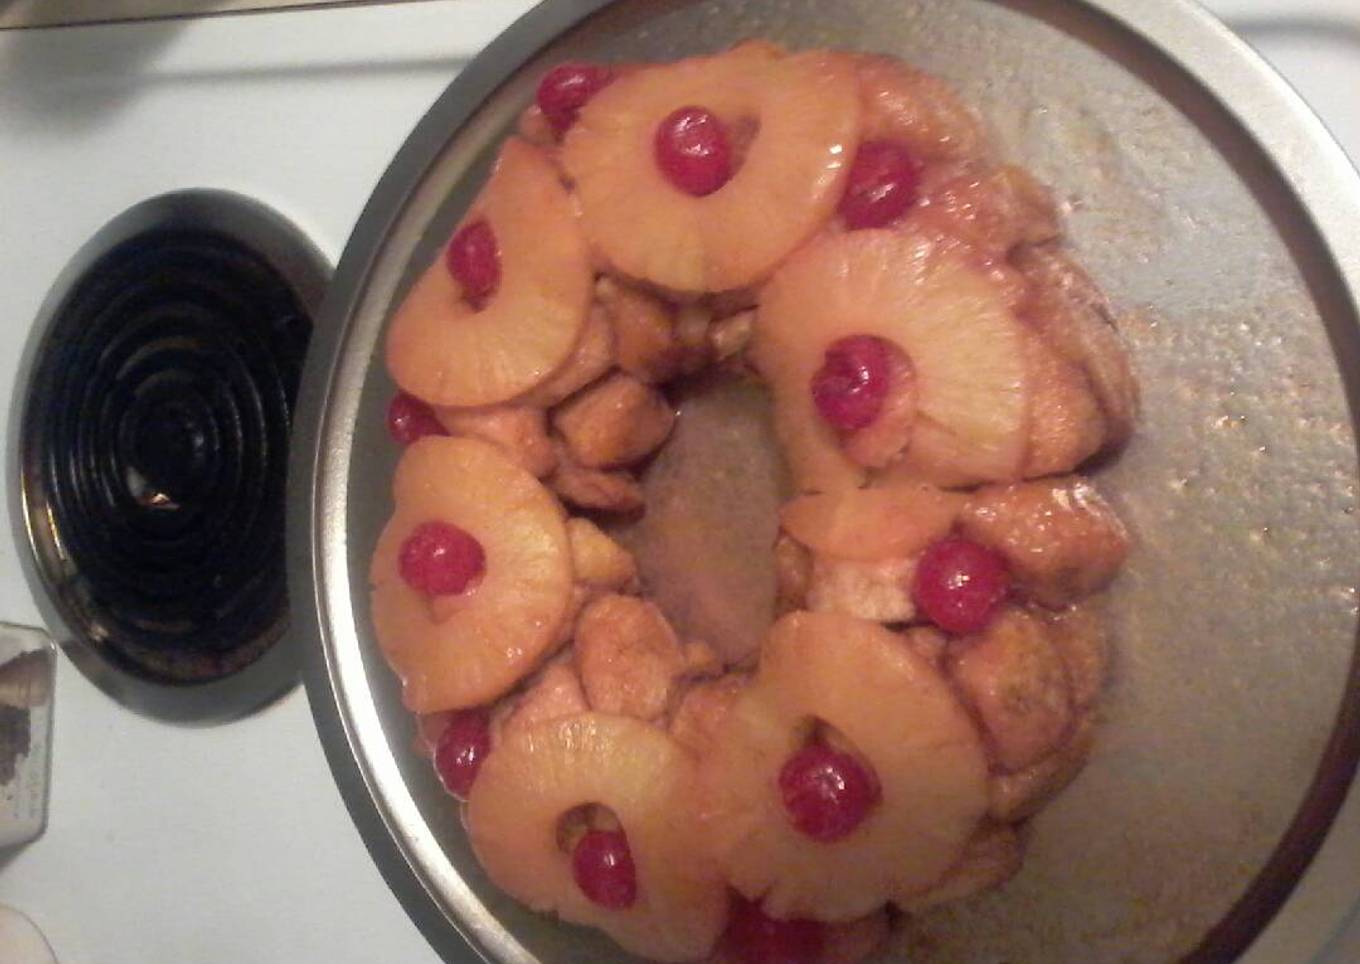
(603, 868)
(408, 419)
(461, 749)
(853, 381)
(440, 559)
(881, 186)
(960, 585)
(826, 793)
(756, 938)
(474, 260)
(564, 90)
(692, 150)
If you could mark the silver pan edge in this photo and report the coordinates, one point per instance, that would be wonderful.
(1281, 141)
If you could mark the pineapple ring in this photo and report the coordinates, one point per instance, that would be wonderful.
(646, 779)
(900, 714)
(442, 350)
(965, 345)
(870, 525)
(807, 107)
(458, 651)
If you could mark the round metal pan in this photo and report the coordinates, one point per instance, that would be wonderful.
(1223, 219)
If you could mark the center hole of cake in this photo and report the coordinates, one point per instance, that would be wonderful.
(713, 495)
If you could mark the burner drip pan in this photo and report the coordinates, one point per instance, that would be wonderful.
(154, 418)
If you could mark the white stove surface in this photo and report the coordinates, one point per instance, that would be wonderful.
(231, 845)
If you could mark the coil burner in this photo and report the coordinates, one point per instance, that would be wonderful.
(154, 444)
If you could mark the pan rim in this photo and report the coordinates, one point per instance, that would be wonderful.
(1304, 159)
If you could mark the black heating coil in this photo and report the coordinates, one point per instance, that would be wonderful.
(173, 368)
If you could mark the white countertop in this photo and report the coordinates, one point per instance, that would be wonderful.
(151, 856)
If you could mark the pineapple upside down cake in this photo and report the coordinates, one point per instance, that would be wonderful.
(833, 227)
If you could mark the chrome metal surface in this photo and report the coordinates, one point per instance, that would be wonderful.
(52, 576)
(1215, 208)
(23, 14)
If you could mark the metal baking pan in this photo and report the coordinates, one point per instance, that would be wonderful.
(1220, 215)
